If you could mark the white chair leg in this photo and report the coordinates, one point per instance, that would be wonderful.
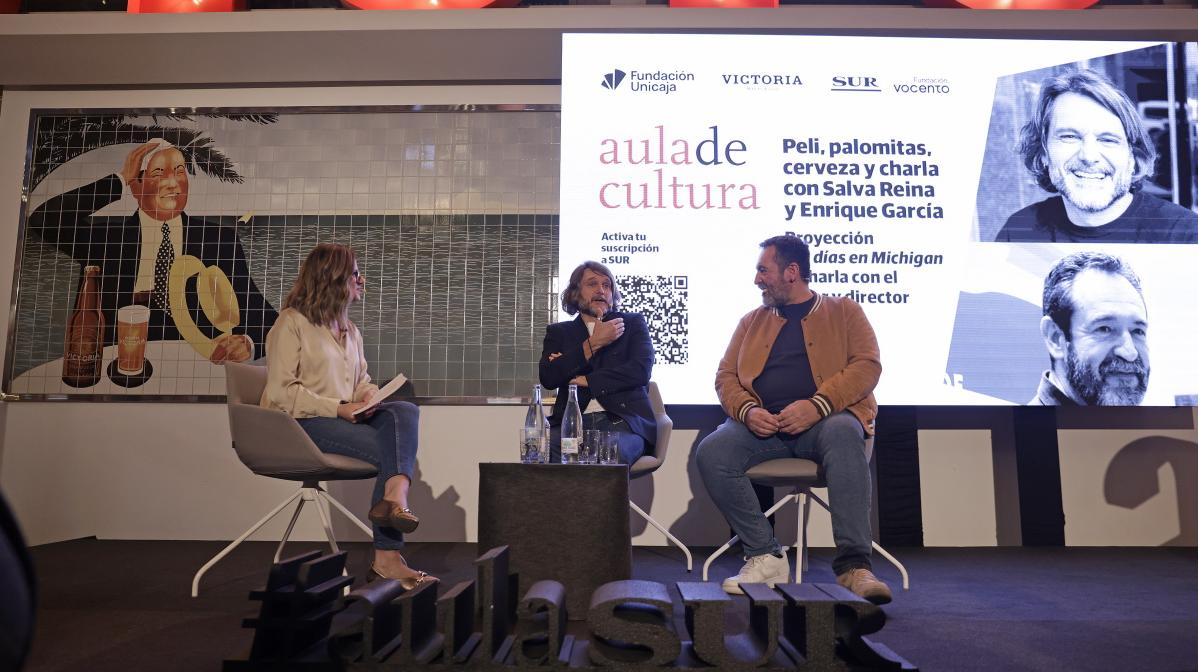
(649, 519)
(800, 542)
(328, 526)
(341, 507)
(800, 535)
(780, 503)
(291, 525)
(806, 513)
(881, 551)
(325, 499)
(195, 582)
(894, 561)
(720, 551)
(321, 498)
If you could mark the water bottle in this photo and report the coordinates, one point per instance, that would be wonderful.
(536, 431)
(571, 429)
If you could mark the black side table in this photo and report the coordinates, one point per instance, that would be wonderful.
(568, 523)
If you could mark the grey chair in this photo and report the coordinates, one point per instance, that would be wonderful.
(801, 476)
(647, 464)
(271, 443)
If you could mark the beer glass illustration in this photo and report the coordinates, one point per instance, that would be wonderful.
(132, 328)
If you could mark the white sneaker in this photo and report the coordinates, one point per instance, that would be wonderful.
(767, 569)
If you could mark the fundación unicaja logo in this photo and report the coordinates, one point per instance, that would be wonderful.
(612, 79)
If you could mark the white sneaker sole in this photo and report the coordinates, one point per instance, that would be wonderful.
(733, 587)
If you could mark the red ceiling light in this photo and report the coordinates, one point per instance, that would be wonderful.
(428, 4)
(1012, 4)
(726, 4)
(184, 6)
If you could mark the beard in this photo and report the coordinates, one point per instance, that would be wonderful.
(596, 309)
(1093, 387)
(1091, 194)
(773, 297)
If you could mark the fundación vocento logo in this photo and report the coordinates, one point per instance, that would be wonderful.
(612, 79)
(924, 85)
(647, 81)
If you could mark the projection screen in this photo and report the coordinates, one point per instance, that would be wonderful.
(949, 186)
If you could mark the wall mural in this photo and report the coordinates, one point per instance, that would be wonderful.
(159, 245)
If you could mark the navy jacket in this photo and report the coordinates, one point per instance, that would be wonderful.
(618, 373)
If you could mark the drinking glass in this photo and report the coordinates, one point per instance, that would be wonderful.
(589, 453)
(609, 449)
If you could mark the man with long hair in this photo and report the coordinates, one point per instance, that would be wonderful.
(608, 355)
(1087, 144)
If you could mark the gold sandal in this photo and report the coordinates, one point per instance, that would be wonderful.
(408, 583)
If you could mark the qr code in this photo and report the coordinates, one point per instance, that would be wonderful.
(661, 299)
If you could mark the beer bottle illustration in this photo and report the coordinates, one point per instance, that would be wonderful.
(84, 346)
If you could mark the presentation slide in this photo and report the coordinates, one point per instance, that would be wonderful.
(1015, 217)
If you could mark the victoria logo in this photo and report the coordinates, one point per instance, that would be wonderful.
(612, 79)
(762, 79)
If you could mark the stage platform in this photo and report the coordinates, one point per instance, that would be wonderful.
(124, 605)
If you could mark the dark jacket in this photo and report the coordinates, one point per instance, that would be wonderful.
(1048, 394)
(114, 245)
(618, 374)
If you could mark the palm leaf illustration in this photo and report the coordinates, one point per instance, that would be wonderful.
(60, 139)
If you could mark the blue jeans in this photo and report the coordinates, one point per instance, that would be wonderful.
(387, 440)
(632, 445)
(837, 442)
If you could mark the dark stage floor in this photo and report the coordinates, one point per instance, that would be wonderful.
(125, 605)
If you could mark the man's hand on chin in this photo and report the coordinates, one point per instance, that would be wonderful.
(231, 348)
(798, 417)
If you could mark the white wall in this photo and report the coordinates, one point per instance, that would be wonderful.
(1130, 488)
(166, 471)
(956, 488)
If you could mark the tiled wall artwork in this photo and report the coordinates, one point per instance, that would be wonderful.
(158, 244)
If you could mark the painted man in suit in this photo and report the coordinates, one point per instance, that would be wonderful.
(608, 355)
(136, 254)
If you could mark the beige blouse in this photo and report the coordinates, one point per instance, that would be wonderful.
(308, 372)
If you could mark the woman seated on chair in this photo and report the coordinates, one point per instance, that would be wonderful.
(316, 372)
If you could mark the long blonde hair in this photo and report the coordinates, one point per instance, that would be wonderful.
(321, 290)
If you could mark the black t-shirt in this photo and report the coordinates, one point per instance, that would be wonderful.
(1147, 220)
(787, 376)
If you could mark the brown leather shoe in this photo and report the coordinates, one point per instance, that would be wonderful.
(863, 583)
(386, 513)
